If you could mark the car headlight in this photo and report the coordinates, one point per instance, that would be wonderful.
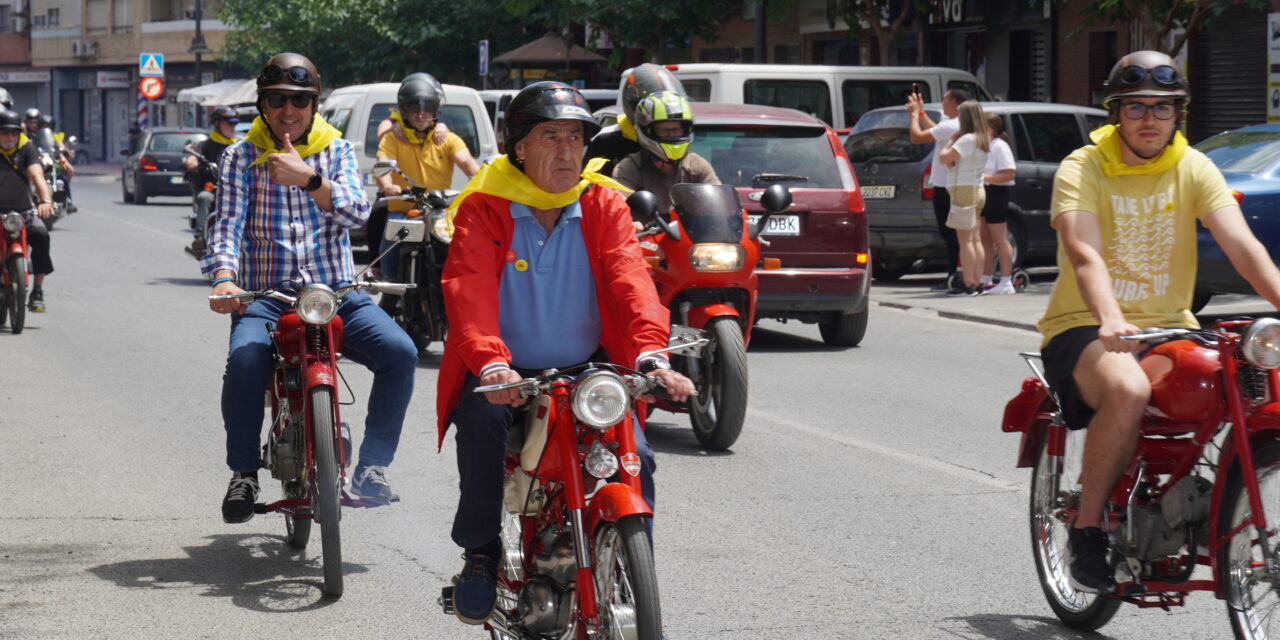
(1261, 343)
(317, 304)
(600, 399)
(13, 222)
(440, 228)
(716, 256)
(600, 462)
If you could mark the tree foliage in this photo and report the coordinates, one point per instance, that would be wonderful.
(874, 15)
(655, 27)
(1159, 19)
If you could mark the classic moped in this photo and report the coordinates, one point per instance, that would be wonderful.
(13, 270)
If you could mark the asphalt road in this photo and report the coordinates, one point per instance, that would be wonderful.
(872, 494)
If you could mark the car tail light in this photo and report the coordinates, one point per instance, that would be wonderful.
(926, 190)
(1238, 196)
(847, 179)
(860, 259)
(148, 164)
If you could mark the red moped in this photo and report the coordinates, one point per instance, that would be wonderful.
(703, 261)
(578, 559)
(1194, 495)
(13, 270)
(308, 448)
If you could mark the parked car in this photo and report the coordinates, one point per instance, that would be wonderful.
(1249, 158)
(822, 238)
(154, 167)
(894, 175)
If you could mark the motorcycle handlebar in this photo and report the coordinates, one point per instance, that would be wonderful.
(397, 288)
(1152, 334)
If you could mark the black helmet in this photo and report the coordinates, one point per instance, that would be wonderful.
(10, 119)
(420, 92)
(1145, 74)
(638, 82)
(46, 120)
(6, 100)
(31, 114)
(541, 102)
(224, 113)
(289, 72)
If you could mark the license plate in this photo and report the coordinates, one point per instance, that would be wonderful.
(878, 191)
(780, 225)
(177, 180)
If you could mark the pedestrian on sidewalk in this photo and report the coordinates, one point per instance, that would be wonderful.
(965, 156)
(997, 178)
(923, 130)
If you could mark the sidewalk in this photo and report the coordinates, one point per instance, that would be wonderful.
(99, 170)
(1022, 310)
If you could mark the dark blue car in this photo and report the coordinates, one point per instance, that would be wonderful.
(1249, 157)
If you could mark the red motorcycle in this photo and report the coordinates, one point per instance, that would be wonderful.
(566, 525)
(308, 448)
(13, 271)
(1194, 494)
(703, 262)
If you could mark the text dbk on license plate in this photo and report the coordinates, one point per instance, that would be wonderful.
(780, 225)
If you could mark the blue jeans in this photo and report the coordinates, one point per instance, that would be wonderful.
(482, 448)
(370, 338)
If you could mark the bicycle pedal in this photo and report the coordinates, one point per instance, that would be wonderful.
(446, 599)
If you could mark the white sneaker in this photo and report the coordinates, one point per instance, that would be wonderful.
(1004, 288)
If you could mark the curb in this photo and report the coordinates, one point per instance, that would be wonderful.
(960, 315)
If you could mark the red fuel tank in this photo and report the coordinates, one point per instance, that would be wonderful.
(1190, 391)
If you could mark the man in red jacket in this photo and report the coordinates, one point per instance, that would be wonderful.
(544, 271)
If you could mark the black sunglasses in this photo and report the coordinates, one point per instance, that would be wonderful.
(297, 75)
(1164, 75)
(299, 100)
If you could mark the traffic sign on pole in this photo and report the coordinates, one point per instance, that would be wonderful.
(151, 64)
(484, 57)
(151, 87)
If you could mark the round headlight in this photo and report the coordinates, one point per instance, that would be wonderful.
(1261, 344)
(600, 399)
(440, 228)
(317, 304)
(13, 222)
(600, 462)
(716, 256)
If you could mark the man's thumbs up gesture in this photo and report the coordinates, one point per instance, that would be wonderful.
(287, 167)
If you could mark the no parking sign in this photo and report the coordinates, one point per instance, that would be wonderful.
(151, 87)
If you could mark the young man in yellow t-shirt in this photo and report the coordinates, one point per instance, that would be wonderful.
(1126, 210)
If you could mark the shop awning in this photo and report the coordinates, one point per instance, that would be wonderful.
(222, 93)
(549, 49)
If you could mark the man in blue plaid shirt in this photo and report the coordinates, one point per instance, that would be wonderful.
(289, 194)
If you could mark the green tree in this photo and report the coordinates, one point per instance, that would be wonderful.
(1159, 19)
(873, 15)
(643, 24)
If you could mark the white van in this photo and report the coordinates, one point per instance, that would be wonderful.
(496, 100)
(357, 110)
(836, 95)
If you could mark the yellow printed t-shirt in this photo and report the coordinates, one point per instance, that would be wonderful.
(1148, 229)
(429, 164)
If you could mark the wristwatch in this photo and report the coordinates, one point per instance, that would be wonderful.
(654, 364)
(314, 183)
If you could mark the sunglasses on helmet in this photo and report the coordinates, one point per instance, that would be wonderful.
(277, 100)
(297, 75)
(1163, 75)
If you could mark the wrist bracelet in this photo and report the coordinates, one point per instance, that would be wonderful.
(222, 280)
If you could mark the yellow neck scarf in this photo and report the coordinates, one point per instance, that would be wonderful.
(627, 127)
(502, 179)
(322, 134)
(8, 155)
(410, 132)
(1107, 139)
(220, 139)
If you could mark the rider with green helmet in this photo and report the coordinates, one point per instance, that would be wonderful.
(620, 140)
(664, 129)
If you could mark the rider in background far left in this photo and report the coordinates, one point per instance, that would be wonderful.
(19, 171)
(35, 121)
(221, 135)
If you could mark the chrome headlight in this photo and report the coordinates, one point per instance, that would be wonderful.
(600, 462)
(601, 399)
(317, 304)
(440, 228)
(715, 256)
(1261, 343)
(13, 222)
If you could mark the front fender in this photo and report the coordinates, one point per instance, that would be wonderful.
(699, 316)
(613, 502)
(1264, 427)
(320, 374)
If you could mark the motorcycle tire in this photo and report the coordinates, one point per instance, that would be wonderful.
(720, 408)
(17, 294)
(327, 497)
(1049, 493)
(626, 581)
(297, 530)
(1249, 596)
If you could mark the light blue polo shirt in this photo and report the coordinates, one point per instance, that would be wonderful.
(547, 300)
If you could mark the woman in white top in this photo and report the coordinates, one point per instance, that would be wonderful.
(966, 156)
(998, 178)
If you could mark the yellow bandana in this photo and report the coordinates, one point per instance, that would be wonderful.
(322, 134)
(410, 132)
(220, 139)
(8, 155)
(1107, 139)
(627, 127)
(502, 179)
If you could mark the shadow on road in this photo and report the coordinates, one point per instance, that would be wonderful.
(772, 341)
(673, 436)
(258, 572)
(1008, 627)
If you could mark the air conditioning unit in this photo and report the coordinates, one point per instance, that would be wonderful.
(84, 48)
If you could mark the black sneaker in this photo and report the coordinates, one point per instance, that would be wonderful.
(1088, 568)
(242, 493)
(941, 287)
(371, 485)
(475, 589)
(36, 301)
(958, 291)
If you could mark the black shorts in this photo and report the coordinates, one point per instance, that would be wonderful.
(1060, 357)
(996, 211)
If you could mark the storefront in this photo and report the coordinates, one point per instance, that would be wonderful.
(1005, 43)
(29, 88)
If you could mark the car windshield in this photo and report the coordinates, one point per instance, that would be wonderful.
(173, 142)
(761, 155)
(1243, 151)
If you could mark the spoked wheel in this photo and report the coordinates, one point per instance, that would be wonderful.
(1053, 496)
(1252, 599)
(298, 529)
(720, 407)
(626, 581)
(326, 501)
(17, 293)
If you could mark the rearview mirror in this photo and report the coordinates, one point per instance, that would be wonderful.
(644, 205)
(383, 167)
(776, 199)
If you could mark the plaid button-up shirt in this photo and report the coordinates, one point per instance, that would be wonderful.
(269, 233)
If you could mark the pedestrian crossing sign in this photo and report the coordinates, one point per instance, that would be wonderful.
(151, 64)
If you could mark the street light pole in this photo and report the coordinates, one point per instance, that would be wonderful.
(199, 48)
